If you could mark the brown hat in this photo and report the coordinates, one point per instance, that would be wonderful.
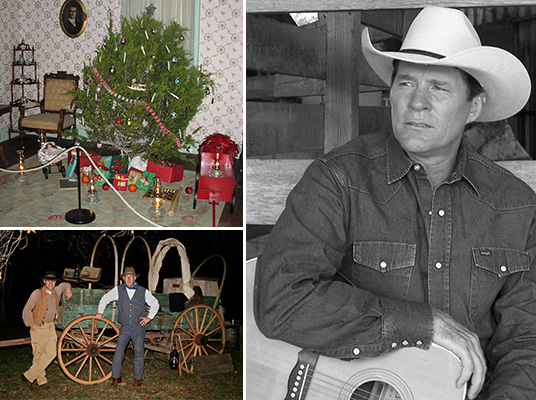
(129, 271)
(51, 276)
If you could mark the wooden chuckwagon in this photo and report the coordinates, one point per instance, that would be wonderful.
(86, 344)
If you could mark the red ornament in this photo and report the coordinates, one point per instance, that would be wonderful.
(189, 190)
(85, 179)
(118, 120)
(105, 186)
(132, 188)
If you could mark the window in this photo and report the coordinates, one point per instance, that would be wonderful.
(185, 12)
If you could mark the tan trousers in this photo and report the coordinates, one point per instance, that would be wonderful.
(44, 342)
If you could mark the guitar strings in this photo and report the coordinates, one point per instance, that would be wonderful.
(329, 385)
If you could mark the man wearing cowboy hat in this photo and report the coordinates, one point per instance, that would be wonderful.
(39, 314)
(410, 237)
(131, 299)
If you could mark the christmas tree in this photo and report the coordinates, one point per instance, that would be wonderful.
(141, 91)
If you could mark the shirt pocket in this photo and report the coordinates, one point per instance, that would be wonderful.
(491, 267)
(384, 268)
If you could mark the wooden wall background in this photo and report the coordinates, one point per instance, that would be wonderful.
(287, 65)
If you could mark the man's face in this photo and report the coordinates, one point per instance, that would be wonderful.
(49, 284)
(430, 109)
(72, 12)
(129, 279)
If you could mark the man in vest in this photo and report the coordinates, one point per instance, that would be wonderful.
(131, 299)
(39, 314)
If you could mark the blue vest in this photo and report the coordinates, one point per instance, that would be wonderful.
(131, 310)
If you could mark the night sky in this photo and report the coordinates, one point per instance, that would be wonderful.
(57, 250)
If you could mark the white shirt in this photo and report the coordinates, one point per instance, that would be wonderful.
(113, 295)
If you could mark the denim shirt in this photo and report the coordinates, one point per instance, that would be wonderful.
(366, 247)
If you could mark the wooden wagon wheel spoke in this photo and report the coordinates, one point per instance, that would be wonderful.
(207, 326)
(105, 359)
(108, 340)
(100, 367)
(81, 366)
(75, 339)
(74, 360)
(90, 365)
(83, 333)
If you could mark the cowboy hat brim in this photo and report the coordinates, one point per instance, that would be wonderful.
(504, 78)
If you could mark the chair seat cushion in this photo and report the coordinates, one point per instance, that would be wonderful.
(47, 121)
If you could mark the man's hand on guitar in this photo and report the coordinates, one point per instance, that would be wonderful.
(465, 344)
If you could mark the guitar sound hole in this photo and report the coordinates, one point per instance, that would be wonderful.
(376, 390)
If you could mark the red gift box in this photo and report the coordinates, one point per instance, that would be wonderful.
(84, 160)
(169, 172)
(120, 181)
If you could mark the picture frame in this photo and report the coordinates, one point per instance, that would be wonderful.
(73, 18)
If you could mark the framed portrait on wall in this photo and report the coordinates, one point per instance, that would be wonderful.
(73, 18)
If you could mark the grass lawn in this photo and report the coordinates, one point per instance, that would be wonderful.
(159, 381)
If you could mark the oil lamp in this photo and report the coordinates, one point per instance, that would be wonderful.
(92, 196)
(21, 179)
(216, 167)
(157, 211)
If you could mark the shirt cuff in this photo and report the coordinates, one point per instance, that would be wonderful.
(406, 324)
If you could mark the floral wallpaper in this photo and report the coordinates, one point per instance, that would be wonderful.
(220, 52)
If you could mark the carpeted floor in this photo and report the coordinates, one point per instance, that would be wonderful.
(43, 204)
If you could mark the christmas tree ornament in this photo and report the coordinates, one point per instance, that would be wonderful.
(99, 145)
(85, 179)
(173, 114)
(132, 187)
(129, 122)
(153, 31)
(174, 59)
(145, 123)
(177, 81)
(105, 186)
(118, 120)
(146, 36)
(181, 37)
(112, 70)
(188, 190)
(123, 41)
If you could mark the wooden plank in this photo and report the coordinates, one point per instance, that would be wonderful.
(390, 21)
(212, 364)
(284, 6)
(342, 78)
(269, 182)
(277, 86)
(15, 342)
(278, 128)
(524, 170)
(277, 47)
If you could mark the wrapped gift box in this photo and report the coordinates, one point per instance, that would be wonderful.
(119, 164)
(84, 161)
(145, 181)
(169, 172)
(120, 181)
(134, 175)
(104, 165)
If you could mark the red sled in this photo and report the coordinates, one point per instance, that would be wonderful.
(169, 172)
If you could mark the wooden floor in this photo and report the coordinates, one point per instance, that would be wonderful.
(31, 145)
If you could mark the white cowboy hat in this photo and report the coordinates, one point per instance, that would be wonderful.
(445, 37)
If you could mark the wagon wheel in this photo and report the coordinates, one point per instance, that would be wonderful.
(85, 349)
(61, 168)
(201, 333)
(45, 172)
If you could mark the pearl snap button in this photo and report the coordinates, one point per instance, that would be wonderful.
(405, 343)
(441, 213)
(394, 345)
(356, 351)
(383, 265)
(438, 265)
(503, 268)
(417, 167)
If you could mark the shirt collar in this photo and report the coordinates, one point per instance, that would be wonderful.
(399, 164)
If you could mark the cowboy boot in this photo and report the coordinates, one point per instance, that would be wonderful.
(115, 382)
(137, 382)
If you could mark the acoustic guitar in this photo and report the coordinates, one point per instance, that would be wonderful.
(276, 370)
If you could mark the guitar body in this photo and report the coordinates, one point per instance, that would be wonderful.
(276, 370)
